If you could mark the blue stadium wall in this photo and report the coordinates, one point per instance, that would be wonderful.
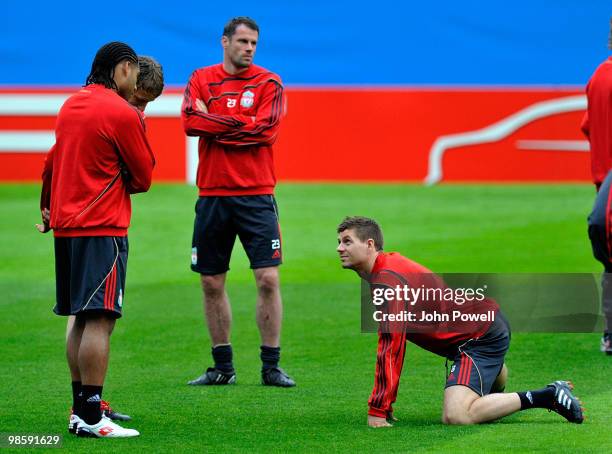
(319, 42)
(429, 89)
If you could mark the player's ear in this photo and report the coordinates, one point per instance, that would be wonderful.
(124, 68)
(224, 41)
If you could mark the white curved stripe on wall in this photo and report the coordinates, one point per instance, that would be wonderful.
(498, 131)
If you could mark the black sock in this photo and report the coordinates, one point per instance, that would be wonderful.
(223, 357)
(270, 356)
(90, 411)
(541, 398)
(76, 402)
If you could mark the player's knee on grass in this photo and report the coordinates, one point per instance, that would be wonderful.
(457, 402)
(456, 416)
(267, 279)
(213, 285)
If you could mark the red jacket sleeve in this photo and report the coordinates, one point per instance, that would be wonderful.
(198, 123)
(389, 356)
(584, 126)
(389, 363)
(45, 193)
(264, 128)
(135, 152)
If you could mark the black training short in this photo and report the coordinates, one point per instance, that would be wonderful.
(90, 274)
(219, 219)
(478, 362)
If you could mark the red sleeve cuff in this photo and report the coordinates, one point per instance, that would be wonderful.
(377, 412)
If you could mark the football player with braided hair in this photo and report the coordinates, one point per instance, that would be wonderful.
(101, 156)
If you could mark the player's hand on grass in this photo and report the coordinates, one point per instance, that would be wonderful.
(201, 106)
(375, 421)
(391, 418)
(44, 227)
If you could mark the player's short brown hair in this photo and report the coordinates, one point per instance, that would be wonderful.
(232, 25)
(151, 76)
(365, 229)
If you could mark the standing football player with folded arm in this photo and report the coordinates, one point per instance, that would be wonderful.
(235, 108)
(101, 156)
(474, 388)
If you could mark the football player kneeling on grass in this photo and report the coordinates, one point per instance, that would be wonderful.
(474, 387)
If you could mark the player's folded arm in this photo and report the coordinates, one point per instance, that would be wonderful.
(264, 129)
(135, 152)
(199, 123)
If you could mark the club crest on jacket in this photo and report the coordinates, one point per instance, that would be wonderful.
(247, 100)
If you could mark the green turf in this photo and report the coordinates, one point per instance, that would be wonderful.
(161, 342)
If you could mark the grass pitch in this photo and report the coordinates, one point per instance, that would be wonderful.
(161, 341)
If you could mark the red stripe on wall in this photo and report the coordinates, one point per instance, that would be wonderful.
(378, 135)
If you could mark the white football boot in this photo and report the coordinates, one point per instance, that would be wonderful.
(105, 428)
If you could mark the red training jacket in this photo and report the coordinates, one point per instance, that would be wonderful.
(101, 156)
(237, 132)
(390, 270)
(597, 122)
